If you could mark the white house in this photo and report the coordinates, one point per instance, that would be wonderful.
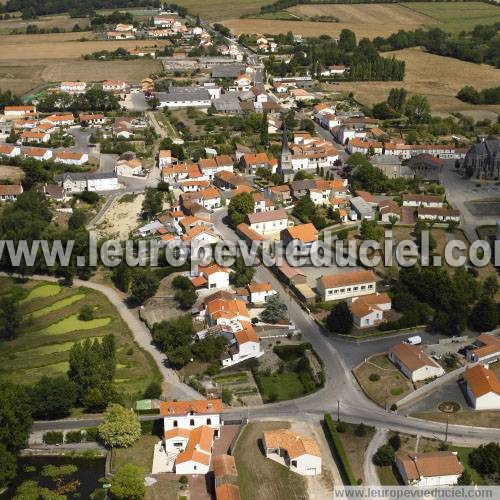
(423, 200)
(243, 344)
(10, 151)
(346, 285)
(201, 235)
(10, 192)
(483, 388)
(209, 198)
(114, 86)
(60, 120)
(71, 157)
(259, 293)
(189, 431)
(227, 312)
(73, 87)
(486, 349)
(29, 136)
(128, 168)
(266, 223)
(76, 182)
(92, 119)
(164, 158)
(414, 363)
(40, 154)
(368, 310)
(300, 454)
(14, 112)
(435, 468)
(439, 214)
(213, 277)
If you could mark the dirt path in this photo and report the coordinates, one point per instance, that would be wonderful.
(369, 469)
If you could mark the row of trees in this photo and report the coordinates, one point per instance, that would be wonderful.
(484, 96)
(479, 45)
(416, 108)
(94, 99)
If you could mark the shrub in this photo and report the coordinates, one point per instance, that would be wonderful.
(360, 430)
(86, 313)
(395, 442)
(374, 377)
(384, 456)
(153, 391)
(341, 427)
(73, 437)
(53, 437)
(91, 434)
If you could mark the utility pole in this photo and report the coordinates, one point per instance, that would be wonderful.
(446, 432)
(338, 410)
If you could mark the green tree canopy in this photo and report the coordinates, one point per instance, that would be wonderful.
(52, 398)
(120, 427)
(339, 320)
(239, 206)
(128, 483)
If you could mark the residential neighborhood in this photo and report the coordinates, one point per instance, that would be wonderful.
(241, 261)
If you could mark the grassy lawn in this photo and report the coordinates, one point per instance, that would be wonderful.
(391, 385)
(355, 447)
(141, 454)
(260, 477)
(387, 476)
(163, 489)
(51, 326)
(280, 386)
(463, 455)
(231, 378)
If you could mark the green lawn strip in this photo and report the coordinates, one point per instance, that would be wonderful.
(280, 386)
(60, 304)
(42, 291)
(72, 324)
(32, 375)
(340, 451)
(463, 455)
(387, 476)
(231, 378)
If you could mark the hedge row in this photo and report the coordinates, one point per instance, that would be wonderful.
(339, 449)
(88, 435)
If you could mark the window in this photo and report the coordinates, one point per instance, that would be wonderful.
(355, 288)
(370, 287)
(209, 421)
(191, 422)
(330, 292)
(175, 423)
(363, 287)
(336, 291)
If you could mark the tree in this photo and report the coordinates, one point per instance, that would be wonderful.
(383, 111)
(153, 201)
(384, 456)
(241, 274)
(10, 317)
(484, 316)
(52, 398)
(395, 442)
(144, 285)
(490, 285)
(15, 416)
(128, 483)
(227, 396)
(486, 459)
(153, 391)
(370, 230)
(360, 430)
(239, 206)
(304, 208)
(122, 276)
(78, 219)
(186, 298)
(86, 313)
(347, 40)
(120, 427)
(264, 135)
(339, 320)
(174, 338)
(153, 103)
(397, 99)
(418, 109)
(8, 466)
(274, 311)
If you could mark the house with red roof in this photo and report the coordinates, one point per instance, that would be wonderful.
(483, 388)
(213, 277)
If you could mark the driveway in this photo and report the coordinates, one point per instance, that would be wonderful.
(369, 469)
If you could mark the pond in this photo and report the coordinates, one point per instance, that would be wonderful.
(90, 470)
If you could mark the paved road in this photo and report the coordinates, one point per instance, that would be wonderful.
(340, 384)
(172, 387)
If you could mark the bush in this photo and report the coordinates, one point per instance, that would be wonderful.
(86, 313)
(374, 377)
(153, 391)
(341, 427)
(395, 442)
(360, 430)
(53, 437)
(384, 456)
(339, 449)
(91, 434)
(73, 437)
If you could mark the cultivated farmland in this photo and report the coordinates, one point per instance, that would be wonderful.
(437, 77)
(216, 10)
(50, 326)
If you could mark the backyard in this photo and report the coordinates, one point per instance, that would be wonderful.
(260, 477)
(50, 326)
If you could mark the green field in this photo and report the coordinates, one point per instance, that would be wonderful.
(50, 327)
(280, 386)
(215, 10)
(457, 16)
